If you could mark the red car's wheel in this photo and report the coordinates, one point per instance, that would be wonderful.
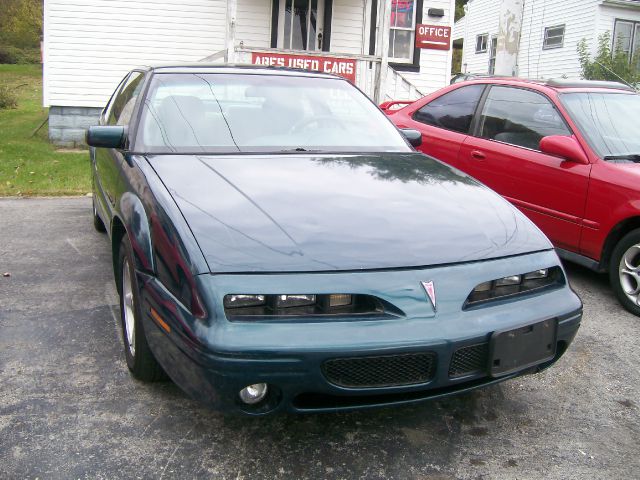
(624, 271)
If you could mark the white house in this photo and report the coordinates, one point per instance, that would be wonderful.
(389, 48)
(546, 33)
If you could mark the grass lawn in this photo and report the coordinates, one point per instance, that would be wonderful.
(29, 165)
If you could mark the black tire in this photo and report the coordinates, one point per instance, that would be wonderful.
(98, 224)
(627, 246)
(140, 360)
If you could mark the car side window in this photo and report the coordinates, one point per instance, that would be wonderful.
(106, 111)
(519, 117)
(453, 110)
(123, 104)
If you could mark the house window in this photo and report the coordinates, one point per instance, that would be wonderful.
(626, 38)
(492, 54)
(553, 37)
(402, 32)
(481, 43)
(300, 24)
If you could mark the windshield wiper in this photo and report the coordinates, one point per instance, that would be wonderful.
(630, 157)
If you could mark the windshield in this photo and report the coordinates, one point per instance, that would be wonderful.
(209, 112)
(607, 120)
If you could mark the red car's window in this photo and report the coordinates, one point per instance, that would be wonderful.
(519, 117)
(453, 110)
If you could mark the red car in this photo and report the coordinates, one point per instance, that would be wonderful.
(566, 153)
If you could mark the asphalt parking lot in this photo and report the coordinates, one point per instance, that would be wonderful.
(69, 409)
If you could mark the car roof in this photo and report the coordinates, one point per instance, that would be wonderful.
(235, 68)
(558, 85)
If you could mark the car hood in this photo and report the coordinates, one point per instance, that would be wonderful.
(305, 213)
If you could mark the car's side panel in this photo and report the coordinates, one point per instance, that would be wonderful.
(136, 223)
(613, 198)
(438, 142)
(549, 190)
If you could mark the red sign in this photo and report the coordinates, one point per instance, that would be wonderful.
(345, 67)
(436, 37)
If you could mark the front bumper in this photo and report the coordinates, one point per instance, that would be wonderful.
(213, 360)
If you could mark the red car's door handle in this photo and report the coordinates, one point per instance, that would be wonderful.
(478, 154)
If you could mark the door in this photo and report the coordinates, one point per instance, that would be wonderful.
(504, 154)
(300, 24)
(445, 122)
(108, 160)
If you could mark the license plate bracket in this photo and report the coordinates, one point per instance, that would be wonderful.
(519, 348)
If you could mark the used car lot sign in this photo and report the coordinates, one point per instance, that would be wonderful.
(435, 37)
(345, 67)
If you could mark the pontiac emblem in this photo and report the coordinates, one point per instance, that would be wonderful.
(431, 292)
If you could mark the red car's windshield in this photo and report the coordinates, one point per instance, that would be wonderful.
(607, 120)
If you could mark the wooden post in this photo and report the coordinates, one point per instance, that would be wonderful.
(382, 49)
(232, 6)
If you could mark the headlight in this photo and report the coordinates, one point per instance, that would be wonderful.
(238, 301)
(515, 285)
(251, 306)
(285, 301)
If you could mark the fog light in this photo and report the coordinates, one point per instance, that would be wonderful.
(254, 393)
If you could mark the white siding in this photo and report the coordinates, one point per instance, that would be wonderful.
(347, 27)
(253, 23)
(459, 29)
(607, 16)
(90, 45)
(579, 18)
(435, 65)
(482, 18)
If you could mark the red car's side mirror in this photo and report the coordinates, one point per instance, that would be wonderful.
(565, 147)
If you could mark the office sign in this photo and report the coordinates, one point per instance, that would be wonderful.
(435, 37)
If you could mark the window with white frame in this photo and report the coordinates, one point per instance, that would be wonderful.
(553, 37)
(481, 43)
(402, 32)
(626, 39)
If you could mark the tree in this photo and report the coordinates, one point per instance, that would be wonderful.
(460, 9)
(20, 31)
(21, 23)
(608, 64)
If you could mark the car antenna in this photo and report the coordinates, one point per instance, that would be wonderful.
(616, 75)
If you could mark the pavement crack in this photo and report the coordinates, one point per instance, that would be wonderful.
(174, 451)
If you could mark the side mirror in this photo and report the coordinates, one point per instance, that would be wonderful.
(111, 136)
(414, 136)
(564, 147)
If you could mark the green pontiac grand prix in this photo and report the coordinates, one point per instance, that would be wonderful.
(278, 245)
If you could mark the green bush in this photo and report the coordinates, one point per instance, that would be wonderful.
(15, 55)
(607, 64)
(8, 98)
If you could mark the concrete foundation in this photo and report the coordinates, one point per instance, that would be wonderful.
(67, 125)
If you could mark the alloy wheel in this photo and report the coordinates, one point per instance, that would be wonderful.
(629, 272)
(127, 300)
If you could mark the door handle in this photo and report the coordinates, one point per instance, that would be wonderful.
(477, 154)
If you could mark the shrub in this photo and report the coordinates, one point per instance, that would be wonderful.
(11, 54)
(8, 98)
(607, 64)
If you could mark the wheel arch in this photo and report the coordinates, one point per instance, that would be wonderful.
(617, 232)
